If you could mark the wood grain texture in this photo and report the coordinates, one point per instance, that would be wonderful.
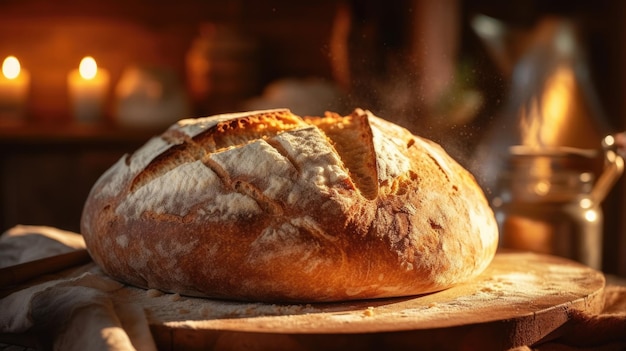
(520, 299)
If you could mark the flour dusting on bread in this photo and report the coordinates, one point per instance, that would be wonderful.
(270, 206)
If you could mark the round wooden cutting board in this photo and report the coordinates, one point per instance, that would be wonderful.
(522, 298)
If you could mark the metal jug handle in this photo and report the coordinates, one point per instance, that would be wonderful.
(614, 147)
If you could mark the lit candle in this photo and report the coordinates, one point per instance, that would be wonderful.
(88, 87)
(14, 84)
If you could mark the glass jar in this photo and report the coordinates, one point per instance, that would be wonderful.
(546, 204)
(552, 214)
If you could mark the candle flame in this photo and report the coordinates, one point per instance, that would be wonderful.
(11, 67)
(88, 67)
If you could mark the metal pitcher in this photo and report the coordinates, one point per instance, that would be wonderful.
(548, 201)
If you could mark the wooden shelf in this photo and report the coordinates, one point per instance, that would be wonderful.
(29, 133)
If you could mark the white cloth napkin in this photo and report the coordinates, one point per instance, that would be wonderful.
(68, 311)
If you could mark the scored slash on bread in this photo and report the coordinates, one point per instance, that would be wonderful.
(223, 135)
(270, 206)
(351, 137)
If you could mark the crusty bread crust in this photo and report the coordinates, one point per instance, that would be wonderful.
(269, 206)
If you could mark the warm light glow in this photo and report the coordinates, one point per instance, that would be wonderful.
(88, 68)
(11, 67)
(542, 120)
(542, 188)
(585, 203)
(591, 216)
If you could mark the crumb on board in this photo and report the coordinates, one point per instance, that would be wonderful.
(153, 293)
(487, 289)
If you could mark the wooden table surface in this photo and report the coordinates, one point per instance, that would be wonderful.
(520, 299)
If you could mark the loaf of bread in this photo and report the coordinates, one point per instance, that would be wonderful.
(268, 206)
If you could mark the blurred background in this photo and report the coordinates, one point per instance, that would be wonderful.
(476, 76)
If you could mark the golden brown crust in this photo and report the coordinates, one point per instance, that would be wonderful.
(268, 206)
